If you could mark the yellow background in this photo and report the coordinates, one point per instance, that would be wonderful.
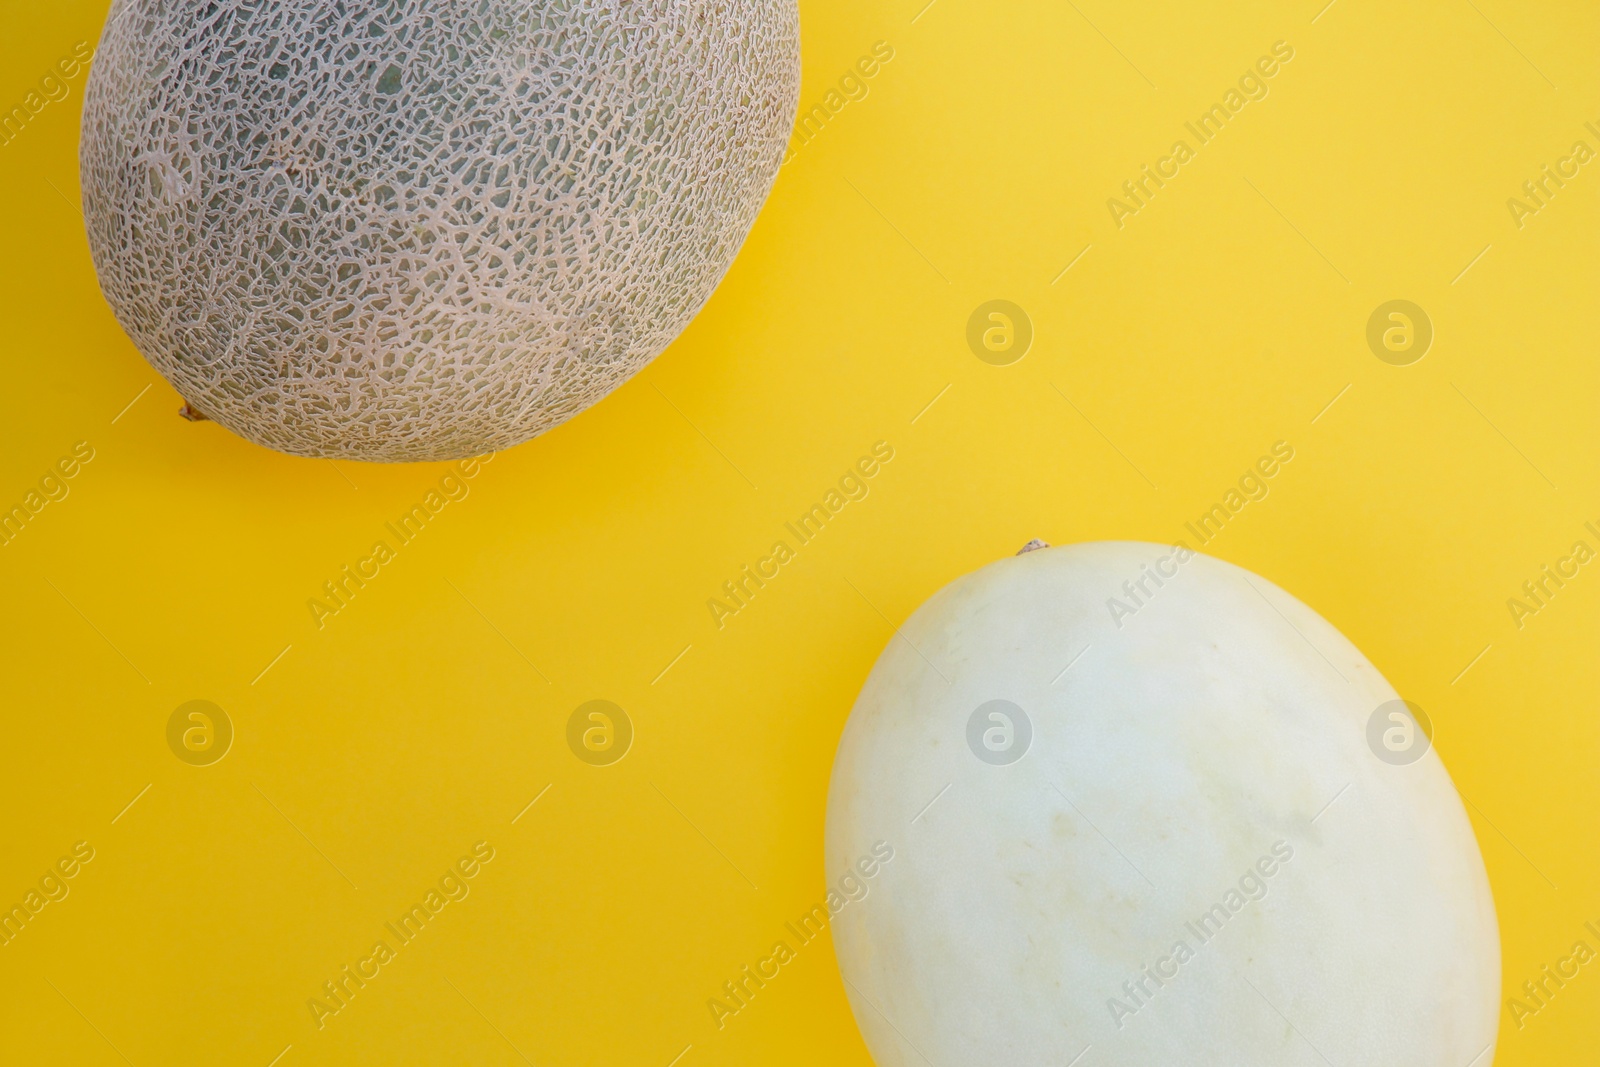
(1225, 316)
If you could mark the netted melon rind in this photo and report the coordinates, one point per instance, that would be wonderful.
(406, 231)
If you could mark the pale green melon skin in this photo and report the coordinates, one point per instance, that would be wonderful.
(1210, 725)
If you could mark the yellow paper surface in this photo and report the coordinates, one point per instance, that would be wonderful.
(1171, 347)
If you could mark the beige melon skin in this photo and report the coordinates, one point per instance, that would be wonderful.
(1215, 723)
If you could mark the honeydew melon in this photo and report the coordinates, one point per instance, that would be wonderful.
(1198, 856)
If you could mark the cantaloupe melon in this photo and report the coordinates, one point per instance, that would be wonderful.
(1137, 820)
(404, 231)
